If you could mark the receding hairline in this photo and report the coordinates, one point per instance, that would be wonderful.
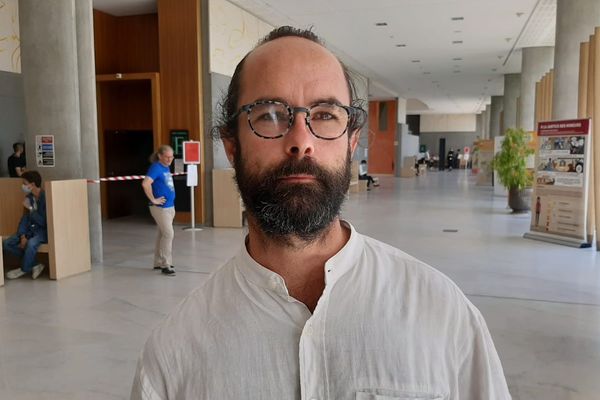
(317, 45)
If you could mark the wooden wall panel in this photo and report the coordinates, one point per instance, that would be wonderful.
(180, 76)
(138, 43)
(550, 95)
(382, 152)
(586, 109)
(538, 104)
(583, 80)
(126, 44)
(594, 111)
(105, 29)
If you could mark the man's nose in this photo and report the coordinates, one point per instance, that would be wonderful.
(299, 141)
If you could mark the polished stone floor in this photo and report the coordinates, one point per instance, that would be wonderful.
(79, 338)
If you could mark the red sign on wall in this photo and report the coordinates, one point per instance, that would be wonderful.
(191, 152)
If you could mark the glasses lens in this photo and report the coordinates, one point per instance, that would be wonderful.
(328, 120)
(269, 120)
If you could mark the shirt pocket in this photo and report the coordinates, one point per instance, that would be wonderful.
(386, 394)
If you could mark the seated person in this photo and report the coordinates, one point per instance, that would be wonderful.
(362, 174)
(32, 231)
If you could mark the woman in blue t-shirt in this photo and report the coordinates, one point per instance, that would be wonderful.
(158, 187)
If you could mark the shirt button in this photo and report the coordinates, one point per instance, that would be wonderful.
(308, 331)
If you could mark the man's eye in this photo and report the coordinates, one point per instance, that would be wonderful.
(323, 116)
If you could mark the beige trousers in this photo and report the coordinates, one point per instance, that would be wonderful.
(163, 250)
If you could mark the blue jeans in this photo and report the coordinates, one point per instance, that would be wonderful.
(11, 245)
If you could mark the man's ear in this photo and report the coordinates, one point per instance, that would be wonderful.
(230, 146)
(354, 141)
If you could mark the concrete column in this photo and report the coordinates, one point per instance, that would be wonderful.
(535, 62)
(512, 90)
(60, 99)
(479, 125)
(575, 22)
(51, 84)
(485, 120)
(89, 120)
(495, 110)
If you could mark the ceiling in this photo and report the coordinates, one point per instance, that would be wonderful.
(424, 53)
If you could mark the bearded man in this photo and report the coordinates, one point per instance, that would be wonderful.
(309, 308)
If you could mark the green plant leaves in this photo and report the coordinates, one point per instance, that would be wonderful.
(511, 161)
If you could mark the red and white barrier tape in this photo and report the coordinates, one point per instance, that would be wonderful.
(125, 178)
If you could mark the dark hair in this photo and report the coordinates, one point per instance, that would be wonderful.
(17, 146)
(32, 177)
(226, 126)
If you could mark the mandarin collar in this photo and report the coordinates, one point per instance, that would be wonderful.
(335, 267)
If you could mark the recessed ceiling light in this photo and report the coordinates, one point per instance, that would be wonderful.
(380, 23)
(457, 42)
(401, 45)
(458, 18)
(416, 61)
(457, 59)
(426, 73)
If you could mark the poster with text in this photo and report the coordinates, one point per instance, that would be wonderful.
(45, 150)
(559, 202)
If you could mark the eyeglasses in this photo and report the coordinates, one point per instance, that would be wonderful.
(270, 119)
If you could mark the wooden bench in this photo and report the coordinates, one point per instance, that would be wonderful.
(68, 246)
(356, 185)
(228, 208)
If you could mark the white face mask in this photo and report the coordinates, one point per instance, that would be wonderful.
(26, 189)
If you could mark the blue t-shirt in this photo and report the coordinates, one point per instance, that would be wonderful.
(162, 184)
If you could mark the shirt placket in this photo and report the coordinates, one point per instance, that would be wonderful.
(312, 378)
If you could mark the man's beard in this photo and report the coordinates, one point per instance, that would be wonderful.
(285, 210)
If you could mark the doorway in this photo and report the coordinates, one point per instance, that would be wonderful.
(442, 153)
(127, 154)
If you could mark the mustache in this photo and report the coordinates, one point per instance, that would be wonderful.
(304, 166)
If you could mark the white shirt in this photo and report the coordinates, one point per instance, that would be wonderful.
(362, 169)
(387, 326)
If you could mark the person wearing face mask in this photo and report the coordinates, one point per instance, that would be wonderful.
(32, 230)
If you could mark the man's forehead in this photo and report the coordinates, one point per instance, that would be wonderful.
(294, 60)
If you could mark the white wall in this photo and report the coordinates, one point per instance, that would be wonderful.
(448, 122)
(10, 53)
(401, 110)
(409, 144)
(233, 33)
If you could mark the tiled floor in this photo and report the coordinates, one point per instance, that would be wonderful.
(79, 338)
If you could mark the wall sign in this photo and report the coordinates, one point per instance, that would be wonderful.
(45, 150)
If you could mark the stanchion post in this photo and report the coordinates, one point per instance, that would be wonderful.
(191, 157)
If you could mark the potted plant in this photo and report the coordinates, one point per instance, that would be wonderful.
(511, 165)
